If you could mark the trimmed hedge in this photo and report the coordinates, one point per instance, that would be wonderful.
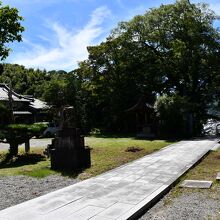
(16, 134)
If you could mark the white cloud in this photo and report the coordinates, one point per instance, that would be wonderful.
(70, 45)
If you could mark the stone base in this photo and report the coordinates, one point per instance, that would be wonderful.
(70, 159)
(199, 184)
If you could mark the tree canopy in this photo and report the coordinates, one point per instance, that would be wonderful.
(57, 88)
(10, 28)
(171, 49)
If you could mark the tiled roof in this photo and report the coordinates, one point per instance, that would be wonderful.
(4, 90)
(38, 104)
(34, 103)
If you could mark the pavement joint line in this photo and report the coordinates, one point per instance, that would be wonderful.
(65, 205)
(188, 153)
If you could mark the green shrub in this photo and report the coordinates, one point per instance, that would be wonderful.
(16, 134)
(172, 112)
(95, 131)
(38, 128)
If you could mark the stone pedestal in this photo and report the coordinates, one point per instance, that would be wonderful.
(68, 150)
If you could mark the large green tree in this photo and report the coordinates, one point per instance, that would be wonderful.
(26, 81)
(10, 28)
(62, 90)
(116, 74)
(57, 88)
(171, 49)
(185, 42)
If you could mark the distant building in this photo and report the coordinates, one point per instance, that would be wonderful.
(141, 119)
(26, 109)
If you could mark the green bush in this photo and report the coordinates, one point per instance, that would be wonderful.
(95, 131)
(16, 134)
(172, 112)
(38, 128)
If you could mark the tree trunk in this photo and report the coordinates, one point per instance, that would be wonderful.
(27, 146)
(13, 150)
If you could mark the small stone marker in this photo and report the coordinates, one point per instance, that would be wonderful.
(218, 176)
(199, 184)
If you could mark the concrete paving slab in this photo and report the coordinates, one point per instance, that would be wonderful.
(121, 193)
(85, 213)
(218, 176)
(216, 147)
(197, 184)
(115, 211)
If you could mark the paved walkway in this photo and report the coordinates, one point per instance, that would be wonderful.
(118, 194)
(34, 142)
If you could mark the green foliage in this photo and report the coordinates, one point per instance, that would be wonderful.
(172, 112)
(168, 105)
(58, 88)
(24, 130)
(26, 81)
(170, 49)
(11, 28)
(3, 111)
(185, 43)
(95, 131)
(38, 128)
(63, 90)
(16, 134)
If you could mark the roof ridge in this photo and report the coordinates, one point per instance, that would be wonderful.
(16, 94)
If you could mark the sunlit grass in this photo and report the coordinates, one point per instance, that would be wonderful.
(106, 154)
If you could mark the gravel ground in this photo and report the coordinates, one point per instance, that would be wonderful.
(17, 189)
(188, 206)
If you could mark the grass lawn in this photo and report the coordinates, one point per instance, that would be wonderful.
(107, 153)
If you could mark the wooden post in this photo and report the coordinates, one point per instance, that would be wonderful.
(27, 146)
(10, 100)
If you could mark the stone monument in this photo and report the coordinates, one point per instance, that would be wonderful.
(68, 150)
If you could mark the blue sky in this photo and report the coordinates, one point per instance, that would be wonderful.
(57, 32)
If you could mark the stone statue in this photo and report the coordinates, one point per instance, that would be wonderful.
(68, 150)
(68, 117)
